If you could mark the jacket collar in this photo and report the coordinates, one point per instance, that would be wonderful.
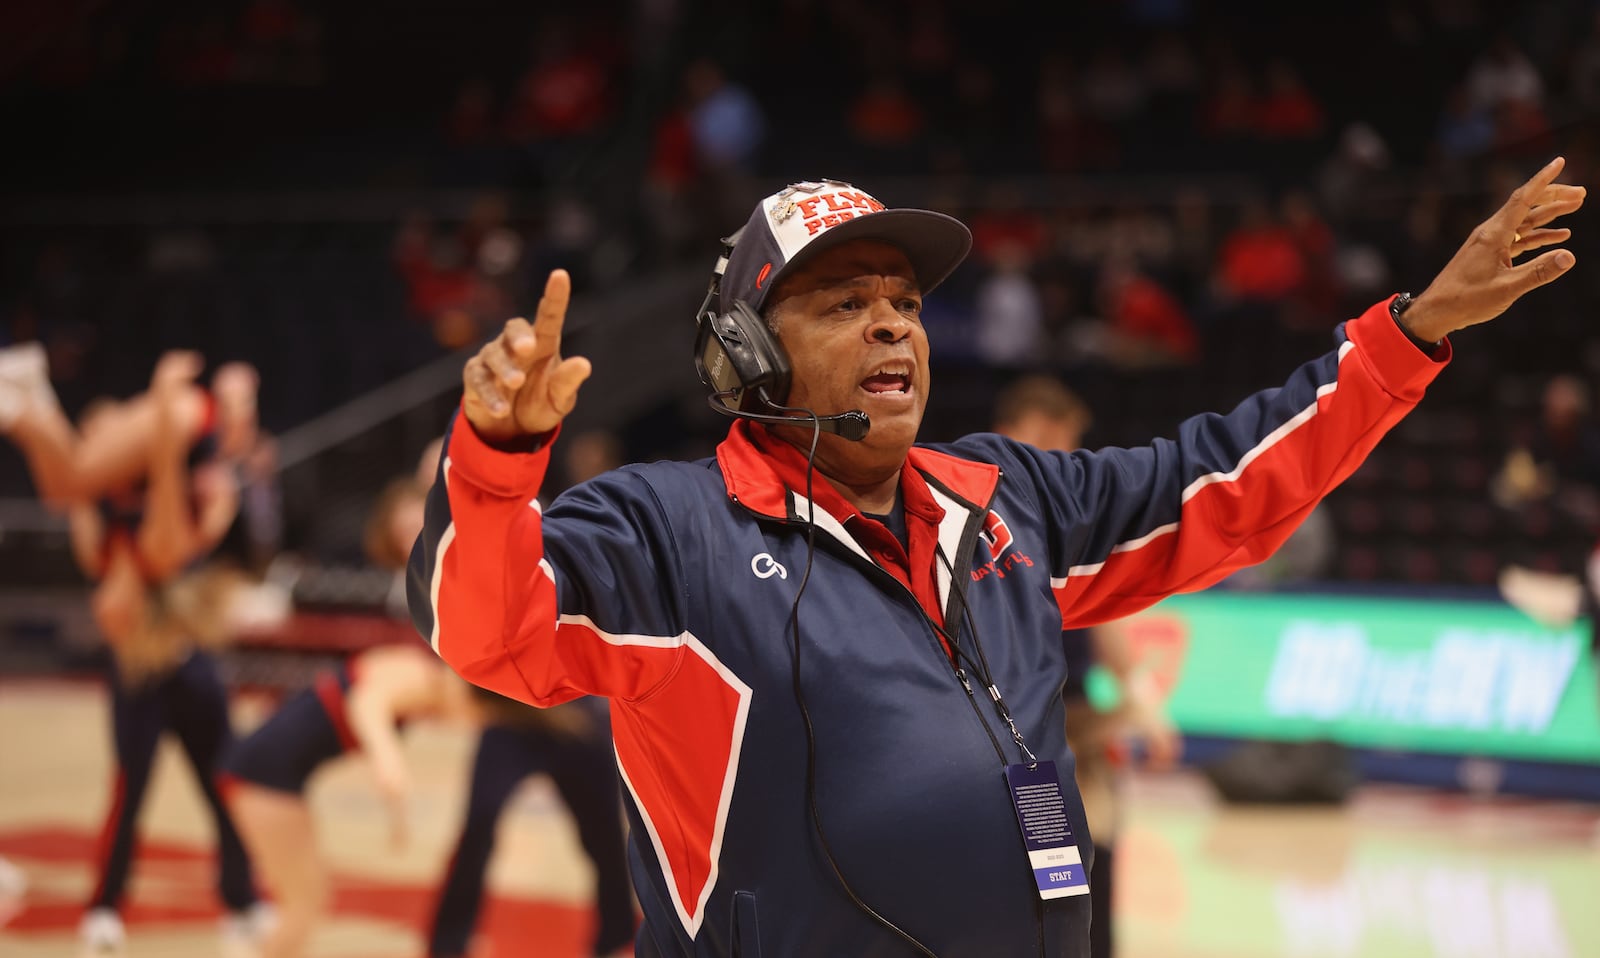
(762, 472)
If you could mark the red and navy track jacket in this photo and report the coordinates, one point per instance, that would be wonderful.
(667, 588)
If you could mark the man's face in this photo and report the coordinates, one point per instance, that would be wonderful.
(850, 320)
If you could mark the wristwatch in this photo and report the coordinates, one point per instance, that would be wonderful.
(1399, 305)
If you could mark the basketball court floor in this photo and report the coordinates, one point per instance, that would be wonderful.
(1396, 872)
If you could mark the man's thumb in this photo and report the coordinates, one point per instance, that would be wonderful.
(564, 382)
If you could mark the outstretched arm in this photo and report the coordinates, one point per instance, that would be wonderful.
(1135, 525)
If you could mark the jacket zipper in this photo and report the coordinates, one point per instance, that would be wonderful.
(938, 649)
(972, 699)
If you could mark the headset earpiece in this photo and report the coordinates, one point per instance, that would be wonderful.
(735, 353)
(740, 359)
(746, 367)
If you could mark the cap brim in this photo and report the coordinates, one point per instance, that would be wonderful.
(934, 243)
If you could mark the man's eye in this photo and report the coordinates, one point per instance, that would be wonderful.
(911, 305)
(848, 306)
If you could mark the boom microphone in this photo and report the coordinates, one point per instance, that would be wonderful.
(851, 425)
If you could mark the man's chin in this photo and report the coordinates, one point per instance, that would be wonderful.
(896, 429)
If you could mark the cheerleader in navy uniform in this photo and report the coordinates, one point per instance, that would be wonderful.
(158, 613)
(572, 744)
(358, 706)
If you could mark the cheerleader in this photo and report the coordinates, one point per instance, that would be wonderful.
(71, 466)
(159, 614)
(357, 707)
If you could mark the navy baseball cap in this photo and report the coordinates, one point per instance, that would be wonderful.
(803, 219)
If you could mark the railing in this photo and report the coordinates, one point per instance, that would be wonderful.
(626, 335)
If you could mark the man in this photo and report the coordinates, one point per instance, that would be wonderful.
(1042, 412)
(834, 665)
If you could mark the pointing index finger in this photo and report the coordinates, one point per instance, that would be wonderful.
(552, 312)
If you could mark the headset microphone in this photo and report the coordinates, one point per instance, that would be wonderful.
(851, 425)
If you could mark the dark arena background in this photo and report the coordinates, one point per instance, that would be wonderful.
(1391, 735)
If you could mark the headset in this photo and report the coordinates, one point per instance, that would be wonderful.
(747, 368)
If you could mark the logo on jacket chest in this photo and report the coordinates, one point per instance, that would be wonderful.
(765, 567)
(997, 536)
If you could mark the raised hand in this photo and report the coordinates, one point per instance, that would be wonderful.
(518, 384)
(1483, 278)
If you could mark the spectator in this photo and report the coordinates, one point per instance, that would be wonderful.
(1228, 116)
(1111, 89)
(1318, 294)
(727, 122)
(1466, 128)
(1070, 140)
(1500, 73)
(1146, 325)
(1288, 111)
(1559, 458)
(565, 92)
(1349, 179)
(884, 114)
(1008, 313)
(1259, 261)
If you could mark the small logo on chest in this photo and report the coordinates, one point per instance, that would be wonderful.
(765, 567)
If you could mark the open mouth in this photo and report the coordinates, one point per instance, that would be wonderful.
(887, 382)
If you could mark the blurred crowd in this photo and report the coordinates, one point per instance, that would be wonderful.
(1156, 188)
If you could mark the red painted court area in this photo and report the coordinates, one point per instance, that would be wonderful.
(173, 889)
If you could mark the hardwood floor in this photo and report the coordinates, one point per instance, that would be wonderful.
(1396, 872)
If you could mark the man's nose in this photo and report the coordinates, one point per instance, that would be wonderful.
(888, 325)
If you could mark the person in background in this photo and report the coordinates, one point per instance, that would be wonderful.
(256, 536)
(160, 614)
(358, 706)
(571, 743)
(1558, 459)
(69, 466)
(1043, 412)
